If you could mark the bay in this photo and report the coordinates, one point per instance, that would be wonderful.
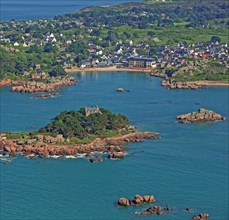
(37, 9)
(188, 167)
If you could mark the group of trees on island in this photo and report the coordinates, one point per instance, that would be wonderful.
(75, 124)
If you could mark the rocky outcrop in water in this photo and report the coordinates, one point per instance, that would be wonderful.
(122, 90)
(202, 115)
(152, 210)
(116, 155)
(36, 87)
(200, 216)
(171, 84)
(137, 200)
(47, 95)
(45, 145)
(96, 159)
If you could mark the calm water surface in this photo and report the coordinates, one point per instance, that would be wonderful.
(34, 9)
(188, 167)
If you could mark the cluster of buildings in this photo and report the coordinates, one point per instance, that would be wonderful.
(164, 56)
(125, 54)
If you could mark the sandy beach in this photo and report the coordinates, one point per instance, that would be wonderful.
(107, 69)
(211, 83)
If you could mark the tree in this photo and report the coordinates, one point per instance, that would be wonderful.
(34, 49)
(75, 124)
(57, 71)
(96, 32)
(50, 48)
(215, 39)
(152, 51)
(151, 33)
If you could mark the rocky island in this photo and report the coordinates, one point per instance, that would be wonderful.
(139, 200)
(88, 132)
(202, 115)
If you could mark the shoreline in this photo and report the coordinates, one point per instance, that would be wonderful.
(107, 69)
(211, 83)
(32, 86)
(18, 86)
(111, 146)
(141, 70)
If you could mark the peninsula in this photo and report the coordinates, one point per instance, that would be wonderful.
(91, 132)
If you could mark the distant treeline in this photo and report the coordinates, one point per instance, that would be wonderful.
(141, 15)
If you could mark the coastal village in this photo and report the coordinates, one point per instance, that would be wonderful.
(124, 54)
(85, 40)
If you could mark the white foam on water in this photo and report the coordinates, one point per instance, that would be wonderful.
(70, 157)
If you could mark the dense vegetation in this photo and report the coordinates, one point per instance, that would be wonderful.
(141, 15)
(16, 63)
(196, 70)
(75, 125)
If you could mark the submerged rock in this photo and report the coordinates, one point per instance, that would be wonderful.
(189, 209)
(152, 210)
(202, 115)
(96, 159)
(48, 95)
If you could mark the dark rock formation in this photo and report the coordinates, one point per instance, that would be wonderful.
(47, 95)
(96, 159)
(189, 209)
(202, 115)
(152, 210)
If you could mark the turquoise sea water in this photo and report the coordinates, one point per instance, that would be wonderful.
(188, 167)
(34, 9)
